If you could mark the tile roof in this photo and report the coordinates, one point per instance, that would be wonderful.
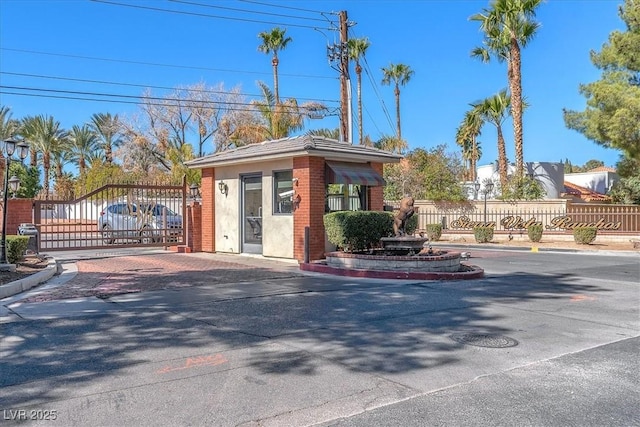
(603, 169)
(584, 193)
(310, 145)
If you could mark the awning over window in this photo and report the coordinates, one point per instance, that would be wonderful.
(352, 173)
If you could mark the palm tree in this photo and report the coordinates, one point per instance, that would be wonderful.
(8, 126)
(108, 128)
(357, 49)
(508, 25)
(400, 74)
(45, 137)
(391, 143)
(273, 42)
(83, 142)
(495, 110)
(467, 137)
(279, 120)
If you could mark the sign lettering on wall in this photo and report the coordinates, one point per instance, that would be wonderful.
(517, 222)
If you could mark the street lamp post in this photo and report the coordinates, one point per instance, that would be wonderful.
(12, 184)
(488, 188)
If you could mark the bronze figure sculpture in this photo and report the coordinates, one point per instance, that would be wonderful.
(400, 219)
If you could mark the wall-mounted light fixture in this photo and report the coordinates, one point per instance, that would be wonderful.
(223, 187)
(295, 181)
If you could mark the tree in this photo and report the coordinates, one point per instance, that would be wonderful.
(45, 136)
(467, 137)
(8, 126)
(83, 141)
(357, 49)
(431, 175)
(29, 180)
(391, 143)
(399, 74)
(279, 120)
(108, 128)
(507, 26)
(495, 110)
(272, 42)
(612, 116)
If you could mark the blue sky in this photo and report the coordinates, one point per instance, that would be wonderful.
(137, 47)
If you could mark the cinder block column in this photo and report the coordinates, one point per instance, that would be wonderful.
(310, 210)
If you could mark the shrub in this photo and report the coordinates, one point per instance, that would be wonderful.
(433, 231)
(483, 234)
(16, 246)
(357, 230)
(535, 232)
(410, 226)
(584, 235)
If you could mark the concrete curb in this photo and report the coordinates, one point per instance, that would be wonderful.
(29, 282)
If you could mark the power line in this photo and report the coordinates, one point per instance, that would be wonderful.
(246, 10)
(146, 86)
(156, 64)
(130, 99)
(204, 15)
(282, 7)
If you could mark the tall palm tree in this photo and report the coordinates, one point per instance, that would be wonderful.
(357, 49)
(108, 129)
(495, 110)
(272, 42)
(83, 142)
(45, 137)
(467, 137)
(509, 25)
(400, 74)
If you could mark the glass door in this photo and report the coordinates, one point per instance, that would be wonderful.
(252, 214)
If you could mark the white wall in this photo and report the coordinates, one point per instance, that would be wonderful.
(598, 182)
(277, 230)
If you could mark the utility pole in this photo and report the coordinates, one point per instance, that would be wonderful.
(344, 77)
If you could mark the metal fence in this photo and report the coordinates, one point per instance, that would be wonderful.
(113, 215)
(607, 218)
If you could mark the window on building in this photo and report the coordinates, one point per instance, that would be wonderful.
(283, 192)
(346, 197)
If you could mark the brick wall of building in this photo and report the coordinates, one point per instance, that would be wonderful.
(376, 197)
(208, 218)
(310, 210)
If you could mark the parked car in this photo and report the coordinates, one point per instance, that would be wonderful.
(27, 229)
(143, 222)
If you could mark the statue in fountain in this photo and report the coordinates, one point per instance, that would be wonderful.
(400, 219)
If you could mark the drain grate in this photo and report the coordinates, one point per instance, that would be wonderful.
(485, 340)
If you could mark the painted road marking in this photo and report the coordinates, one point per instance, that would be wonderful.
(195, 362)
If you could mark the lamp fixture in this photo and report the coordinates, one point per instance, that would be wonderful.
(488, 187)
(14, 185)
(476, 185)
(194, 191)
(223, 187)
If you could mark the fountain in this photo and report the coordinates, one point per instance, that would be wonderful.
(399, 257)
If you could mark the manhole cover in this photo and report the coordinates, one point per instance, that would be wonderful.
(485, 340)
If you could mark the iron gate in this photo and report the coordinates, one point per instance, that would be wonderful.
(115, 215)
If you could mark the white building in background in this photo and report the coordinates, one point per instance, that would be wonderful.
(599, 180)
(549, 175)
(552, 177)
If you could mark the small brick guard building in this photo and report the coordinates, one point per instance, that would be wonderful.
(259, 198)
